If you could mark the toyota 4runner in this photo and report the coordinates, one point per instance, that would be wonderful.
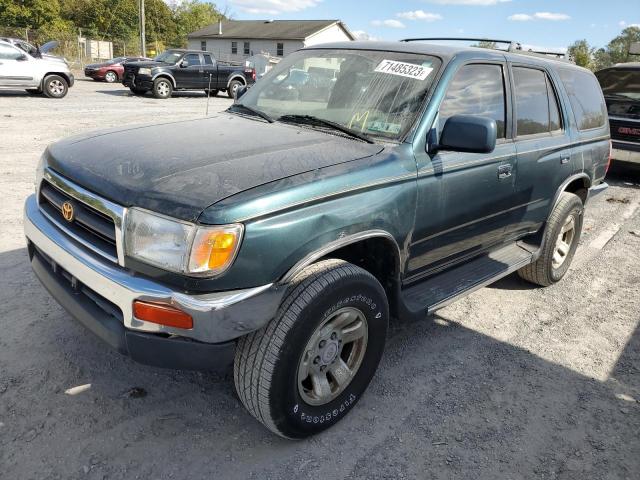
(282, 234)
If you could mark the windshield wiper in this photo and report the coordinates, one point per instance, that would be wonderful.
(617, 95)
(255, 111)
(312, 120)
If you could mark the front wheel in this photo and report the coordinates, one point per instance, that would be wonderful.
(561, 238)
(137, 91)
(54, 86)
(162, 88)
(111, 77)
(308, 367)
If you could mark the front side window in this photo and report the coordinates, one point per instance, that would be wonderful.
(247, 48)
(376, 93)
(280, 49)
(192, 59)
(234, 48)
(477, 89)
(585, 98)
(9, 53)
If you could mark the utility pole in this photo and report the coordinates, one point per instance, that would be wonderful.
(143, 47)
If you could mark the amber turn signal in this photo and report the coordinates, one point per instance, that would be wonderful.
(162, 314)
(214, 249)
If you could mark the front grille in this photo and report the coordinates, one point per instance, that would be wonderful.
(625, 130)
(89, 226)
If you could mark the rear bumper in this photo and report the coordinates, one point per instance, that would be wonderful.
(625, 152)
(100, 294)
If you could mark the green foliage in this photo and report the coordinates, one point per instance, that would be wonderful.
(485, 44)
(581, 53)
(115, 20)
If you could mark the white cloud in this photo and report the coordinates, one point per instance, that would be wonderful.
(525, 17)
(520, 17)
(273, 7)
(390, 22)
(551, 16)
(362, 35)
(419, 15)
(482, 3)
(622, 23)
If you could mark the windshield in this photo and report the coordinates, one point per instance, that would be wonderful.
(168, 57)
(371, 92)
(620, 82)
(113, 61)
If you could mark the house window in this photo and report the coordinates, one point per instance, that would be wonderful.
(280, 49)
(234, 48)
(247, 48)
(203, 46)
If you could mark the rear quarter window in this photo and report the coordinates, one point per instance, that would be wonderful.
(585, 98)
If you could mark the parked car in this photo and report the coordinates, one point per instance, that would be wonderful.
(21, 70)
(282, 235)
(621, 87)
(179, 69)
(36, 52)
(112, 70)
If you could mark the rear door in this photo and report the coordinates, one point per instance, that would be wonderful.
(465, 199)
(543, 145)
(210, 71)
(189, 72)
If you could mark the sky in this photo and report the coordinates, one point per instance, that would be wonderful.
(538, 23)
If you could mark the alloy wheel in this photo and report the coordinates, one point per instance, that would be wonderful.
(564, 242)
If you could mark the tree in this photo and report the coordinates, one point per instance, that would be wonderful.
(192, 15)
(618, 48)
(485, 44)
(581, 53)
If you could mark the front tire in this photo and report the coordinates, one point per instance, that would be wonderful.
(162, 88)
(111, 77)
(137, 91)
(308, 367)
(55, 86)
(561, 238)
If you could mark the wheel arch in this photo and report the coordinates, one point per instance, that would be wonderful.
(578, 184)
(237, 77)
(64, 75)
(165, 75)
(376, 251)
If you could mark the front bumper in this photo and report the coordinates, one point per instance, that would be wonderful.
(138, 81)
(72, 80)
(85, 284)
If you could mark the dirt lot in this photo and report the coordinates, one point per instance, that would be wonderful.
(512, 382)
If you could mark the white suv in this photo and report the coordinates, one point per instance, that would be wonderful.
(19, 69)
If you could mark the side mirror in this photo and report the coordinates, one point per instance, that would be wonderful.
(241, 91)
(184, 64)
(22, 58)
(468, 133)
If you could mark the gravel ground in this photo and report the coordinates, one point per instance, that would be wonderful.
(511, 382)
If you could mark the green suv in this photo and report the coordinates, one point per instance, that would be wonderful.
(281, 235)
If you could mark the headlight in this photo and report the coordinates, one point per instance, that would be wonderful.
(180, 246)
(144, 71)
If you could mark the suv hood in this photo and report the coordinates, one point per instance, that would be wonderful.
(180, 168)
(149, 64)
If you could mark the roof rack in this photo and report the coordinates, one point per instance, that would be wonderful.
(513, 46)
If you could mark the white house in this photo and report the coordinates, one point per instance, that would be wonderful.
(235, 40)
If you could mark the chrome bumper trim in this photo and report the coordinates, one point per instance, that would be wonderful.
(217, 317)
(625, 155)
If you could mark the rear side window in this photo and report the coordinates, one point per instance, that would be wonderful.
(9, 53)
(585, 97)
(207, 59)
(192, 59)
(536, 105)
(476, 90)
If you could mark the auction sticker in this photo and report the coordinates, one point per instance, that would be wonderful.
(403, 69)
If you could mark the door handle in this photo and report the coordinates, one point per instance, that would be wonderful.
(564, 159)
(504, 171)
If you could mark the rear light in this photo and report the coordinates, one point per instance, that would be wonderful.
(253, 74)
(606, 170)
(162, 314)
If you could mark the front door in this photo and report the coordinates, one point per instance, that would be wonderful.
(465, 199)
(189, 72)
(16, 68)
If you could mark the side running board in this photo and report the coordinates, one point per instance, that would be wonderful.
(444, 288)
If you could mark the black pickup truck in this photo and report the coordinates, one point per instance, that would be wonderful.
(178, 69)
